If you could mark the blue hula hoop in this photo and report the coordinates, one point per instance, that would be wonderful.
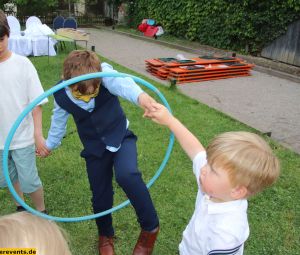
(49, 93)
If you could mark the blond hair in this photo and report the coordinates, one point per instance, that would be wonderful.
(247, 158)
(80, 62)
(24, 230)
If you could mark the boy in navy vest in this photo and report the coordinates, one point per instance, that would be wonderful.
(108, 143)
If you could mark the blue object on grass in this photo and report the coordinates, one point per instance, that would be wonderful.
(151, 22)
(49, 92)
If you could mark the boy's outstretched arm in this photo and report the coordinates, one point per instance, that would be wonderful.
(58, 127)
(126, 88)
(187, 140)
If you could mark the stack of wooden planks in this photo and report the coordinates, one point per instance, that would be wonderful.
(203, 68)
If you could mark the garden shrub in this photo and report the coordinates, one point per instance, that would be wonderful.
(245, 25)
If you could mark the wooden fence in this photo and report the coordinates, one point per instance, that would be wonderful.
(286, 48)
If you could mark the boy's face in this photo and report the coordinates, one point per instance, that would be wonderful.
(215, 183)
(3, 47)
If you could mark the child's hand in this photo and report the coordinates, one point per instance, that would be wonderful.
(41, 148)
(160, 114)
(146, 101)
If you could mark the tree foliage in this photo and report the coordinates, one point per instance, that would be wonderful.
(237, 25)
(34, 7)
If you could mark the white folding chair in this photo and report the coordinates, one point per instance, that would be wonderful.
(16, 42)
(38, 34)
(32, 21)
(14, 25)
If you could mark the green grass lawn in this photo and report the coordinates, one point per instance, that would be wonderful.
(273, 214)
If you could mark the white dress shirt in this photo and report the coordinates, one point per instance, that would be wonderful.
(215, 228)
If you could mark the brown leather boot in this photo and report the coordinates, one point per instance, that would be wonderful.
(145, 243)
(106, 245)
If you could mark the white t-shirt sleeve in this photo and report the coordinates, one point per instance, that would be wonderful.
(199, 161)
(34, 85)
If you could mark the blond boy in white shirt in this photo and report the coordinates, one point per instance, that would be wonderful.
(235, 166)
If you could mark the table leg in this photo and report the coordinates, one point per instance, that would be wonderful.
(48, 49)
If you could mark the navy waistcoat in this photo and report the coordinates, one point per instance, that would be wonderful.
(104, 126)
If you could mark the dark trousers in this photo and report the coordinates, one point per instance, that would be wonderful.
(100, 173)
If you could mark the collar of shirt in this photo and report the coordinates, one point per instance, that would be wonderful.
(89, 106)
(220, 208)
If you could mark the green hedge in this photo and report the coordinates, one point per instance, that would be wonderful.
(241, 25)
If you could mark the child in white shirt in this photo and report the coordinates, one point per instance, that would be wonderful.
(20, 85)
(235, 166)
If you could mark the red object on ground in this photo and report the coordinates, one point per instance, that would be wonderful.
(147, 29)
(143, 27)
(151, 31)
(198, 69)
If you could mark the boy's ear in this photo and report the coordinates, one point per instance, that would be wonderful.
(239, 192)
